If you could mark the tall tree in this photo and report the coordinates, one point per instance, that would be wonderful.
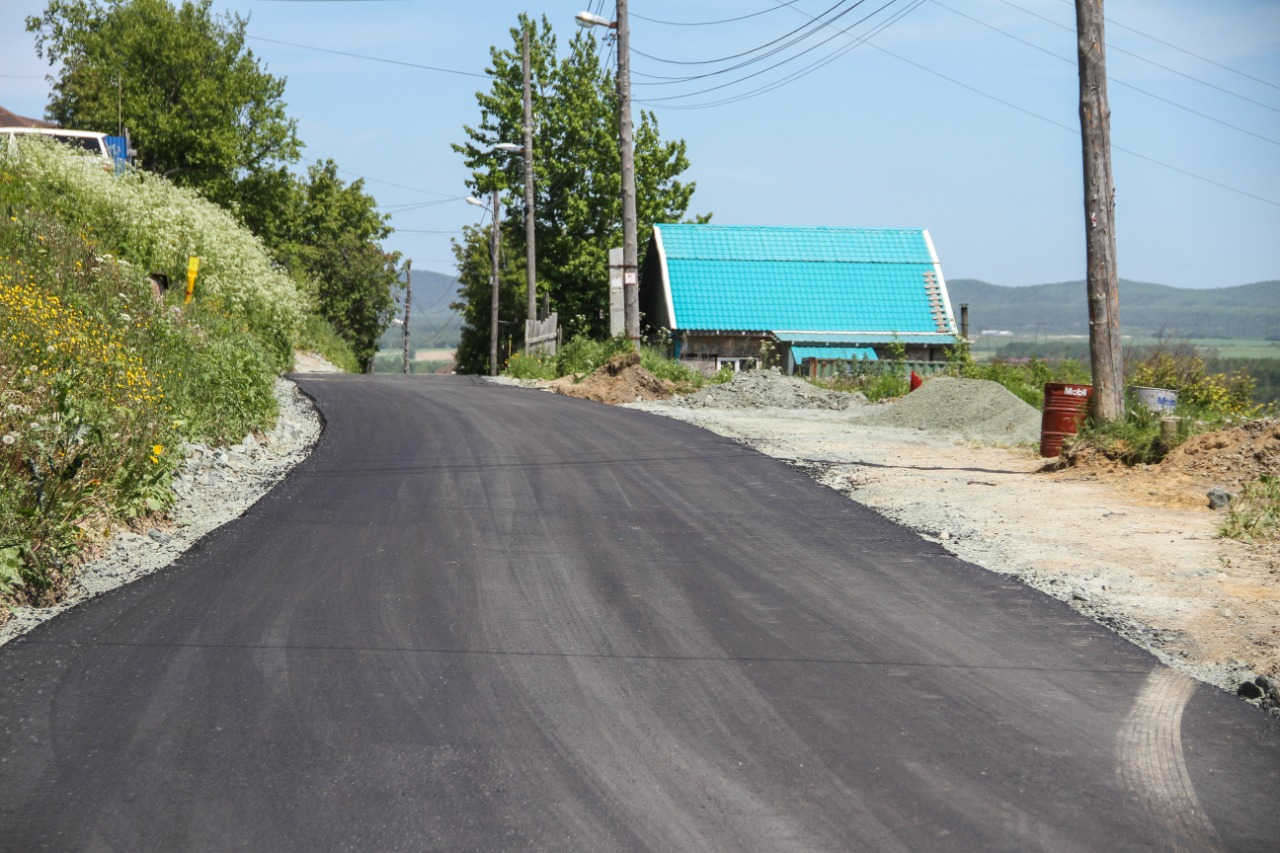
(578, 176)
(332, 241)
(200, 108)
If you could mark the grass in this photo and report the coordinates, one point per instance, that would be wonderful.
(101, 382)
(1255, 515)
(581, 356)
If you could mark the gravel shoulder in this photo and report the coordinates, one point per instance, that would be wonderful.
(214, 486)
(1144, 561)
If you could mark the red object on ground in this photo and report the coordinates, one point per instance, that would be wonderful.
(916, 381)
(1065, 406)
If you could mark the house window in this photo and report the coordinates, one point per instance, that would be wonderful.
(736, 364)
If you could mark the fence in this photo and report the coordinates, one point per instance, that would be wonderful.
(542, 337)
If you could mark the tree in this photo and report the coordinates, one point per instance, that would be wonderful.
(332, 240)
(199, 107)
(578, 177)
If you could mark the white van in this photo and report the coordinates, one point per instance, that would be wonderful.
(87, 140)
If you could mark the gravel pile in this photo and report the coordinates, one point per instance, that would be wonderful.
(761, 389)
(214, 486)
(973, 409)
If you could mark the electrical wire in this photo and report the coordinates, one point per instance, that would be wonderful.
(1116, 23)
(713, 23)
(371, 58)
(1073, 130)
(1161, 66)
(807, 50)
(1110, 78)
(807, 70)
(815, 22)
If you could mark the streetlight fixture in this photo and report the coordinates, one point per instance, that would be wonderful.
(630, 281)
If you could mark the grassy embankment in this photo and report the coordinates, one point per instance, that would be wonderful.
(100, 382)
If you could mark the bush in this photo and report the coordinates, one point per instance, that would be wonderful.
(1025, 380)
(1178, 367)
(99, 380)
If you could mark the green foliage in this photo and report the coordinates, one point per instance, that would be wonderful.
(318, 336)
(199, 107)
(578, 197)
(100, 381)
(476, 295)
(1025, 380)
(1133, 439)
(1178, 367)
(1255, 514)
(333, 242)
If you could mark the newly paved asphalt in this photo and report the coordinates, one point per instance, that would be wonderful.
(485, 618)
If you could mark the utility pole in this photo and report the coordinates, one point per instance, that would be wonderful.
(408, 294)
(493, 277)
(1105, 351)
(630, 280)
(531, 260)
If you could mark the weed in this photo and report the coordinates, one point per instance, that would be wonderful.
(1255, 514)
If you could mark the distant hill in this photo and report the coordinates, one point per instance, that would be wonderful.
(1249, 311)
(432, 325)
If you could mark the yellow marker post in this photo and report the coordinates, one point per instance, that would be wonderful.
(193, 268)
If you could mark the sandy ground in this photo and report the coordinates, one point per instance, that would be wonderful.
(1133, 550)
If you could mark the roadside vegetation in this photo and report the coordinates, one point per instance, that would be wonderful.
(582, 355)
(100, 381)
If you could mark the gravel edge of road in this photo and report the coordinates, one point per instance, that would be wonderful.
(213, 486)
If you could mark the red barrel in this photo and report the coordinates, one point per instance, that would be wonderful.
(1065, 406)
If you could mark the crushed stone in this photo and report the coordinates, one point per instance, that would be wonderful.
(970, 409)
(768, 389)
(213, 486)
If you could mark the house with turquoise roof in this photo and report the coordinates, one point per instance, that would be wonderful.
(728, 293)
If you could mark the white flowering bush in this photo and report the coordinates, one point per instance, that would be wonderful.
(156, 226)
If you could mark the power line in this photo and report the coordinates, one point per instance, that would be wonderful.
(1116, 23)
(1152, 62)
(712, 23)
(1109, 77)
(815, 22)
(371, 58)
(1074, 130)
(808, 69)
(807, 50)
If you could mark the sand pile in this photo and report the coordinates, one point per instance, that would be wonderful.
(759, 389)
(973, 409)
(620, 380)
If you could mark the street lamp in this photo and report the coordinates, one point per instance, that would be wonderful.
(630, 282)
(493, 281)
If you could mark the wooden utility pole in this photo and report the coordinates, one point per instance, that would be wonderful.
(493, 279)
(531, 260)
(630, 250)
(408, 294)
(1105, 351)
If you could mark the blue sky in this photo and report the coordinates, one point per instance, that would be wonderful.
(966, 126)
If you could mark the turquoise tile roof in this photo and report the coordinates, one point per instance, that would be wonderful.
(760, 278)
(834, 353)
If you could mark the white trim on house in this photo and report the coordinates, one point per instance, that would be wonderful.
(666, 278)
(937, 271)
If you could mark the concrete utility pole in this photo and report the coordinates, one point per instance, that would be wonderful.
(1099, 209)
(531, 274)
(630, 280)
(493, 278)
(408, 294)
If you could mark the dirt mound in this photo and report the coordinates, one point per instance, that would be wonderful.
(974, 409)
(1231, 457)
(1225, 459)
(620, 380)
(761, 389)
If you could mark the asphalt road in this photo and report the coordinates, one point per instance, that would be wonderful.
(485, 618)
